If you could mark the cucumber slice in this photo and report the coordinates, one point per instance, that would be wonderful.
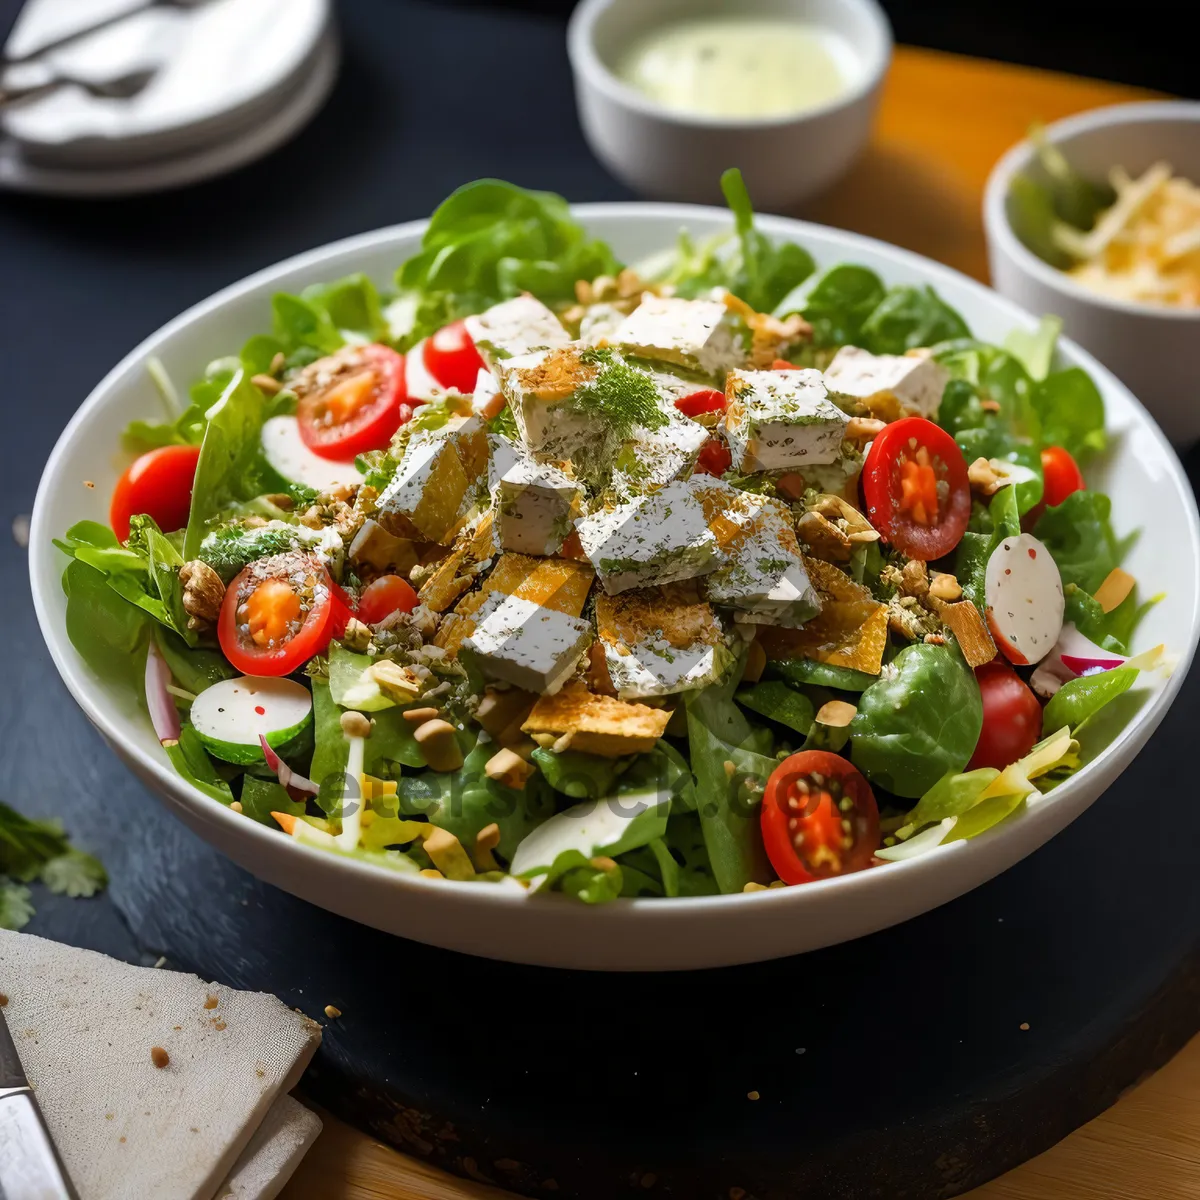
(287, 454)
(231, 714)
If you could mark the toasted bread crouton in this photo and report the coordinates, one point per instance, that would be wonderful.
(598, 724)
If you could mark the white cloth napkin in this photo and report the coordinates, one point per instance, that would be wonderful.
(213, 1122)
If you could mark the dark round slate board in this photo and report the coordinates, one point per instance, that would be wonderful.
(890, 1067)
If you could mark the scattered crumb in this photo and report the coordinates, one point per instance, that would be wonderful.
(211, 1002)
(730, 768)
(193, 1129)
(162, 961)
(20, 530)
(649, 1179)
(87, 483)
(332, 1013)
(218, 1024)
(3, 1000)
(1024, 1026)
(159, 1057)
(121, 1139)
(737, 1193)
(751, 1095)
(800, 1049)
(109, 1116)
(178, 1028)
(259, 1072)
(236, 806)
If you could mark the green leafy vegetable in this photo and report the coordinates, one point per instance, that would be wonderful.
(779, 702)
(1034, 349)
(621, 394)
(1079, 534)
(919, 721)
(232, 547)
(836, 304)
(819, 674)
(1093, 622)
(108, 632)
(1072, 412)
(909, 317)
(1078, 700)
(976, 546)
(189, 757)
(261, 797)
(578, 775)
(194, 668)
(951, 796)
(728, 803)
(1030, 211)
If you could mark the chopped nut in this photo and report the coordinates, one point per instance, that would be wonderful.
(439, 745)
(418, 716)
(332, 1012)
(990, 406)
(277, 363)
(159, 1057)
(357, 636)
(730, 768)
(824, 539)
(945, 587)
(914, 579)
(864, 429)
(603, 863)
(432, 873)
(907, 619)
(756, 661)
(354, 724)
(584, 292)
(236, 806)
(563, 743)
(396, 682)
(203, 592)
(754, 887)
(448, 854)
(752, 1095)
(267, 384)
(486, 840)
(509, 769)
(500, 709)
(837, 714)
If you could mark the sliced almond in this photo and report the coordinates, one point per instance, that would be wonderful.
(1115, 589)
(837, 714)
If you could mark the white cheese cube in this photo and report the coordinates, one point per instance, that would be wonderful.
(654, 457)
(429, 497)
(916, 379)
(467, 434)
(761, 573)
(535, 506)
(540, 389)
(700, 335)
(599, 323)
(654, 539)
(659, 642)
(781, 420)
(514, 328)
(529, 646)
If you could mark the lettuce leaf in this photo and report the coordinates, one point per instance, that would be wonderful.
(1079, 534)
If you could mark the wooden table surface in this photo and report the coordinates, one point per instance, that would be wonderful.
(943, 123)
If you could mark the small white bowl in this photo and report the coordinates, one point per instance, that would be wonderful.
(1154, 349)
(680, 156)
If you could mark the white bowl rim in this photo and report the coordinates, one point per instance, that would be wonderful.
(581, 50)
(773, 900)
(1018, 157)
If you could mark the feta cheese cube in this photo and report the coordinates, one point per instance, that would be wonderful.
(536, 505)
(429, 497)
(659, 642)
(529, 646)
(654, 539)
(700, 335)
(654, 457)
(914, 382)
(761, 573)
(540, 389)
(515, 328)
(780, 420)
(466, 433)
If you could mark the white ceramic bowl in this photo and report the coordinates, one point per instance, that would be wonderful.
(1153, 349)
(680, 156)
(1142, 473)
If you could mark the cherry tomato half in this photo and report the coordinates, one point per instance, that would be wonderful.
(352, 402)
(386, 595)
(819, 818)
(451, 358)
(1012, 717)
(280, 612)
(158, 485)
(714, 458)
(1062, 475)
(704, 401)
(916, 490)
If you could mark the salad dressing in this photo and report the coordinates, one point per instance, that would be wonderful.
(739, 66)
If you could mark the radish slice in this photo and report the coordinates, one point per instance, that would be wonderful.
(164, 716)
(1024, 599)
(292, 780)
(1072, 655)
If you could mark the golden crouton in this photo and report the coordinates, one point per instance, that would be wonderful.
(597, 724)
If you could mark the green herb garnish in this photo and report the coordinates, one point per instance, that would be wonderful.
(624, 395)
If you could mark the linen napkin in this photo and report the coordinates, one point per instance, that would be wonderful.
(153, 1083)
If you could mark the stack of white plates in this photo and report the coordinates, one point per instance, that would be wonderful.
(229, 80)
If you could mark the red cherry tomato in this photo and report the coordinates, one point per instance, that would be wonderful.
(819, 818)
(714, 458)
(704, 401)
(158, 485)
(1062, 475)
(782, 364)
(388, 594)
(451, 358)
(362, 407)
(916, 490)
(279, 613)
(1012, 717)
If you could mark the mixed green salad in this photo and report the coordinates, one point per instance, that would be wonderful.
(700, 575)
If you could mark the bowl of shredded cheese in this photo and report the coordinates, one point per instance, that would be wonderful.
(1097, 220)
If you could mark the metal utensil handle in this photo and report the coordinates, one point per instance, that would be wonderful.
(30, 1168)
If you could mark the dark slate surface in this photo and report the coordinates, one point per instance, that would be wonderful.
(890, 1067)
